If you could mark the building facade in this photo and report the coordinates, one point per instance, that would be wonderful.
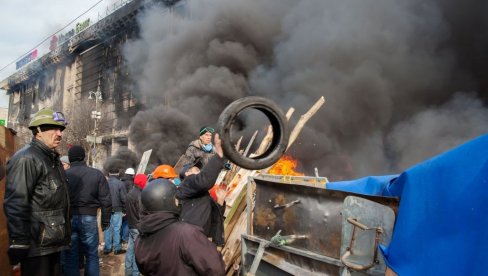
(83, 76)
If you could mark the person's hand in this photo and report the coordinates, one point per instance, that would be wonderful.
(221, 193)
(16, 255)
(218, 145)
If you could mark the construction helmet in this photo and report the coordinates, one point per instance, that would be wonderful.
(164, 171)
(159, 196)
(47, 116)
(130, 171)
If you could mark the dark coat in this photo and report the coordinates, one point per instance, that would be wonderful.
(197, 207)
(167, 246)
(118, 192)
(133, 207)
(88, 191)
(195, 155)
(36, 200)
(128, 182)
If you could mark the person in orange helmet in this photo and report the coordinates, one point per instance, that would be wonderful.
(166, 172)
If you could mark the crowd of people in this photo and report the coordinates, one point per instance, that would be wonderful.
(56, 206)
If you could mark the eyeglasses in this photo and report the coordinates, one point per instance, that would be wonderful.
(206, 129)
(59, 117)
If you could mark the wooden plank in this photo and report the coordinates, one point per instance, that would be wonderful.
(303, 119)
(233, 217)
(232, 246)
(8, 146)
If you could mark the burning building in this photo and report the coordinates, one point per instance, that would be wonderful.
(403, 81)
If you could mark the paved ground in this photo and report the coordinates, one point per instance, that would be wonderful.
(111, 265)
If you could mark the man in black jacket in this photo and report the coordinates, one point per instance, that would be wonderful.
(118, 193)
(128, 180)
(88, 190)
(168, 246)
(36, 202)
(133, 217)
(197, 207)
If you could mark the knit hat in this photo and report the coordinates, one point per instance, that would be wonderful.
(206, 129)
(76, 153)
(140, 180)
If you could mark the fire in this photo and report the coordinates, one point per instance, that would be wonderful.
(285, 166)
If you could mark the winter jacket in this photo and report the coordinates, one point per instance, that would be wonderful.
(36, 200)
(133, 207)
(118, 193)
(128, 182)
(196, 155)
(88, 191)
(167, 246)
(197, 207)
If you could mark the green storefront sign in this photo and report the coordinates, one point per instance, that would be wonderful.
(2, 122)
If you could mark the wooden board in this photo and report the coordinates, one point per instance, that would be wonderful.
(8, 145)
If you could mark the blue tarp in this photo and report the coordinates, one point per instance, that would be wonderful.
(370, 185)
(441, 226)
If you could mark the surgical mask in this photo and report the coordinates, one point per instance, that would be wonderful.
(208, 147)
(176, 181)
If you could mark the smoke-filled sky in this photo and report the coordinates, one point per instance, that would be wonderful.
(403, 80)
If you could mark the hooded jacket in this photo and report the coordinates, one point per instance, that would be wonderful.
(167, 246)
(37, 201)
(134, 201)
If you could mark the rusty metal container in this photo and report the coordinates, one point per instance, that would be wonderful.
(298, 223)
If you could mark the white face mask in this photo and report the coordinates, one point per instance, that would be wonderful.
(208, 147)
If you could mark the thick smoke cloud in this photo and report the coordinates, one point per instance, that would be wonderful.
(392, 72)
(122, 159)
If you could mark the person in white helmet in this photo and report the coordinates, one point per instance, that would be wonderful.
(128, 179)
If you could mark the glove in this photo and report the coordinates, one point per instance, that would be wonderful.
(16, 255)
(105, 226)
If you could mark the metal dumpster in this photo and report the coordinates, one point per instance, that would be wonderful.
(296, 226)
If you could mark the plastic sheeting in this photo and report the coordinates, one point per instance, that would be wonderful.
(441, 226)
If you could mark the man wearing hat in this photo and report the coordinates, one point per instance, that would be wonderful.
(88, 190)
(165, 172)
(200, 150)
(36, 200)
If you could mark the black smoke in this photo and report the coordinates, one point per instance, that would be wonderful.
(403, 80)
(122, 159)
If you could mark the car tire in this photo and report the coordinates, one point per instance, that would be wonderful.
(277, 120)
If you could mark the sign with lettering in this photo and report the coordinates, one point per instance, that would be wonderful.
(28, 58)
(82, 25)
(54, 43)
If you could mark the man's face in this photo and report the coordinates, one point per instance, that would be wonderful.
(206, 138)
(51, 136)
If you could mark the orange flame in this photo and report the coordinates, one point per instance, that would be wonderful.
(285, 166)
